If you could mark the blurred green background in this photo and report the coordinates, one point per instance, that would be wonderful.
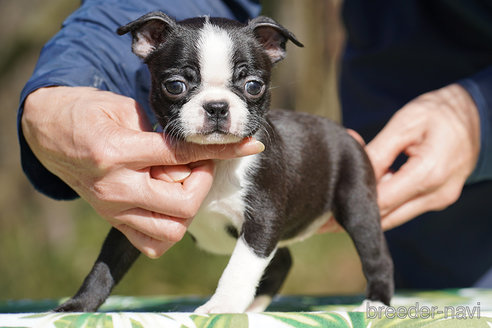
(47, 247)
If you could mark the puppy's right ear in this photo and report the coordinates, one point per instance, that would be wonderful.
(148, 32)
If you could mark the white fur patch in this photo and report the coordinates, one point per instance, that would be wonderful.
(216, 48)
(223, 206)
(260, 303)
(141, 44)
(237, 286)
(216, 70)
(367, 305)
(214, 138)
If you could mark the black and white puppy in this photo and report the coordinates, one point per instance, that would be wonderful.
(210, 85)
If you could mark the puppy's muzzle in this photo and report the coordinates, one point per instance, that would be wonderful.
(217, 110)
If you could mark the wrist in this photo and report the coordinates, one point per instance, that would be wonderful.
(466, 109)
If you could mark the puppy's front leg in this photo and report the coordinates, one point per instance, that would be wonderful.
(238, 283)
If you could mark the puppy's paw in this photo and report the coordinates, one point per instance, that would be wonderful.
(368, 305)
(221, 305)
(72, 305)
(259, 304)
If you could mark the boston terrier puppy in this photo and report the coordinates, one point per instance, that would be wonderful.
(211, 85)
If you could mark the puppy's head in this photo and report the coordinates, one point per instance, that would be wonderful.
(210, 76)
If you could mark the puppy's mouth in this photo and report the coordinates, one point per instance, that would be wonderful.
(213, 137)
(214, 121)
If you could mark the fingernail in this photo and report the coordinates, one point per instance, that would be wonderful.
(179, 176)
(386, 177)
(250, 146)
(177, 173)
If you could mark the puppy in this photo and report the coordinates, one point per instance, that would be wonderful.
(210, 85)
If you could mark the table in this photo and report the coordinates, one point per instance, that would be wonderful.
(439, 308)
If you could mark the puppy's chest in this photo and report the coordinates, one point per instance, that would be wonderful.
(222, 211)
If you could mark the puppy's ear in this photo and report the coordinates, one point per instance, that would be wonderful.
(148, 32)
(273, 37)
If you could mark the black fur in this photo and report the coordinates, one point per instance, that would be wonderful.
(116, 257)
(310, 165)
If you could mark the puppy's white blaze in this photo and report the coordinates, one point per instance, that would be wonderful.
(215, 51)
(215, 55)
(237, 286)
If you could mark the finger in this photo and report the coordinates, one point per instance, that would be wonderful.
(330, 226)
(154, 149)
(175, 199)
(150, 247)
(157, 226)
(395, 137)
(403, 185)
(436, 200)
(356, 136)
(411, 209)
(185, 152)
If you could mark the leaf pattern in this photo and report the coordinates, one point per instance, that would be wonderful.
(317, 312)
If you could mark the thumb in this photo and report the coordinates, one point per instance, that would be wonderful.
(144, 149)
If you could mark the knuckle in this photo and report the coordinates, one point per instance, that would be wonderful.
(176, 236)
(431, 175)
(176, 233)
(449, 197)
(154, 253)
(444, 198)
(107, 192)
(100, 160)
(191, 209)
(103, 157)
(435, 178)
(101, 191)
(183, 153)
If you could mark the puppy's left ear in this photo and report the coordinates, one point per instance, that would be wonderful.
(272, 36)
(148, 32)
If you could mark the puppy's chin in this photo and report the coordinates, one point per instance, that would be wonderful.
(213, 138)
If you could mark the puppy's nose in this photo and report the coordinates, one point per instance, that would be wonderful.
(217, 109)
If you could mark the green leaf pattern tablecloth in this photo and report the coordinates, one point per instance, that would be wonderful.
(445, 308)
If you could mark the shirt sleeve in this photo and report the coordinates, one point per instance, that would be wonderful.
(88, 52)
(480, 88)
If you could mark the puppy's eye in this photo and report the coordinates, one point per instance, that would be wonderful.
(175, 88)
(254, 88)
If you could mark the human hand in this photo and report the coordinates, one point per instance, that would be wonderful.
(101, 145)
(440, 133)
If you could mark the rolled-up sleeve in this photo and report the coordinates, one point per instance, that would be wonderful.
(480, 88)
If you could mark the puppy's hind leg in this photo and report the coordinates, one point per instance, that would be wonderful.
(116, 257)
(272, 280)
(357, 211)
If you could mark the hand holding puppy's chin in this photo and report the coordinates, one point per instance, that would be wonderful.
(179, 173)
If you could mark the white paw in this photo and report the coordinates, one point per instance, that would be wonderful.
(221, 305)
(368, 305)
(259, 304)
